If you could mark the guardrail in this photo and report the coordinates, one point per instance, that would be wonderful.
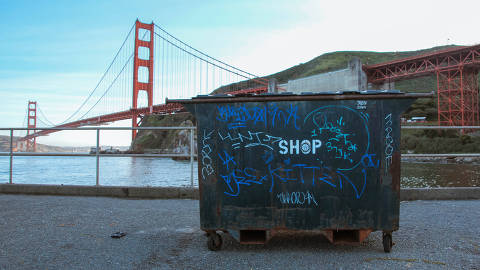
(97, 154)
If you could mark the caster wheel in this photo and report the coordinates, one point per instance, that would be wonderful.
(214, 242)
(387, 242)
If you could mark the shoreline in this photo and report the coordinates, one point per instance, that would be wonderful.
(443, 160)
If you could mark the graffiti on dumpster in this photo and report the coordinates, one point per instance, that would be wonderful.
(271, 116)
(299, 146)
(388, 141)
(249, 139)
(226, 159)
(293, 172)
(297, 198)
(343, 139)
(336, 139)
(207, 168)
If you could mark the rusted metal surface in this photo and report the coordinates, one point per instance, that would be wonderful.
(346, 236)
(328, 163)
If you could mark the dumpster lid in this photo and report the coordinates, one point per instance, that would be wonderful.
(304, 96)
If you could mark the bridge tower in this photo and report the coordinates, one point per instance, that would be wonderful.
(31, 125)
(146, 85)
(458, 97)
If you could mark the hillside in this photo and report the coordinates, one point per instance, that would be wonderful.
(335, 61)
(5, 146)
(339, 60)
(159, 141)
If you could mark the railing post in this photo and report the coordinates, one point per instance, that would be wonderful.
(192, 149)
(97, 156)
(11, 156)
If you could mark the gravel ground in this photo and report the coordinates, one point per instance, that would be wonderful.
(54, 232)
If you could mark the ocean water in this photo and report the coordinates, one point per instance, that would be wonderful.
(114, 171)
(165, 172)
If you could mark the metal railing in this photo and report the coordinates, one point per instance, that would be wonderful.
(97, 153)
(440, 127)
(191, 155)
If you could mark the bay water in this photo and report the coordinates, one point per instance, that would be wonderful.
(165, 172)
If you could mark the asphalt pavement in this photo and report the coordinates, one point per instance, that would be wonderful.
(59, 232)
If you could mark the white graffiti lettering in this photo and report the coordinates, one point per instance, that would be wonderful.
(207, 168)
(388, 141)
(251, 139)
(296, 198)
(296, 146)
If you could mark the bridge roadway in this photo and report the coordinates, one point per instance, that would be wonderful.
(124, 115)
(58, 232)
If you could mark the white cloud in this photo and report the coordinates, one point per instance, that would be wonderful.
(357, 26)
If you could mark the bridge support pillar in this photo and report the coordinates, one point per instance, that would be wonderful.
(457, 97)
(31, 125)
(144, 42)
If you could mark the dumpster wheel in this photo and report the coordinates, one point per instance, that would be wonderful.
(214, 241)
(387, 242)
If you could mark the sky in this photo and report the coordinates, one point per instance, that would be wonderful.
(54, 52)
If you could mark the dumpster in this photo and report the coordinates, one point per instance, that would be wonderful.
(327, 163)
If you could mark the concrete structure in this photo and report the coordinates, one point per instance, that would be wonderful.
(352, 78)
(406, 194)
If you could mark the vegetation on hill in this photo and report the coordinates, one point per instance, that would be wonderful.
(164, 141)
(5, 146)
(439, 141)
(415, 141)
(339, 60)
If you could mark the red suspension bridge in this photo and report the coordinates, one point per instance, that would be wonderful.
(177, 71)
(181, 71)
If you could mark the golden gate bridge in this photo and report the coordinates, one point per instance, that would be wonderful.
(151, 65)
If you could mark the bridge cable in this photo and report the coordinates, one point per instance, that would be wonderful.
(253, 75)
(114, 80)
(208, 62)
(24, 124)
(109, 87)
(25, 118)
(48, 121)
(101, 79)
(45, 124)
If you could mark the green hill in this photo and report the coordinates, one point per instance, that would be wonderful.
(339, 60)
(412, 140)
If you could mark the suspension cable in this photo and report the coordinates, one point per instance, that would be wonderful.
(183, 43)
(208, 62)
(25, 118)
(109, 87)
(103, 76)
(48, 121)
(114, 80)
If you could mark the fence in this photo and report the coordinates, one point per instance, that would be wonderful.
(191, 155)
(97, 153)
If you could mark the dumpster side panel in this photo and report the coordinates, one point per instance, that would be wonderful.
(210, 203)
(391, 160)
(326, 164)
